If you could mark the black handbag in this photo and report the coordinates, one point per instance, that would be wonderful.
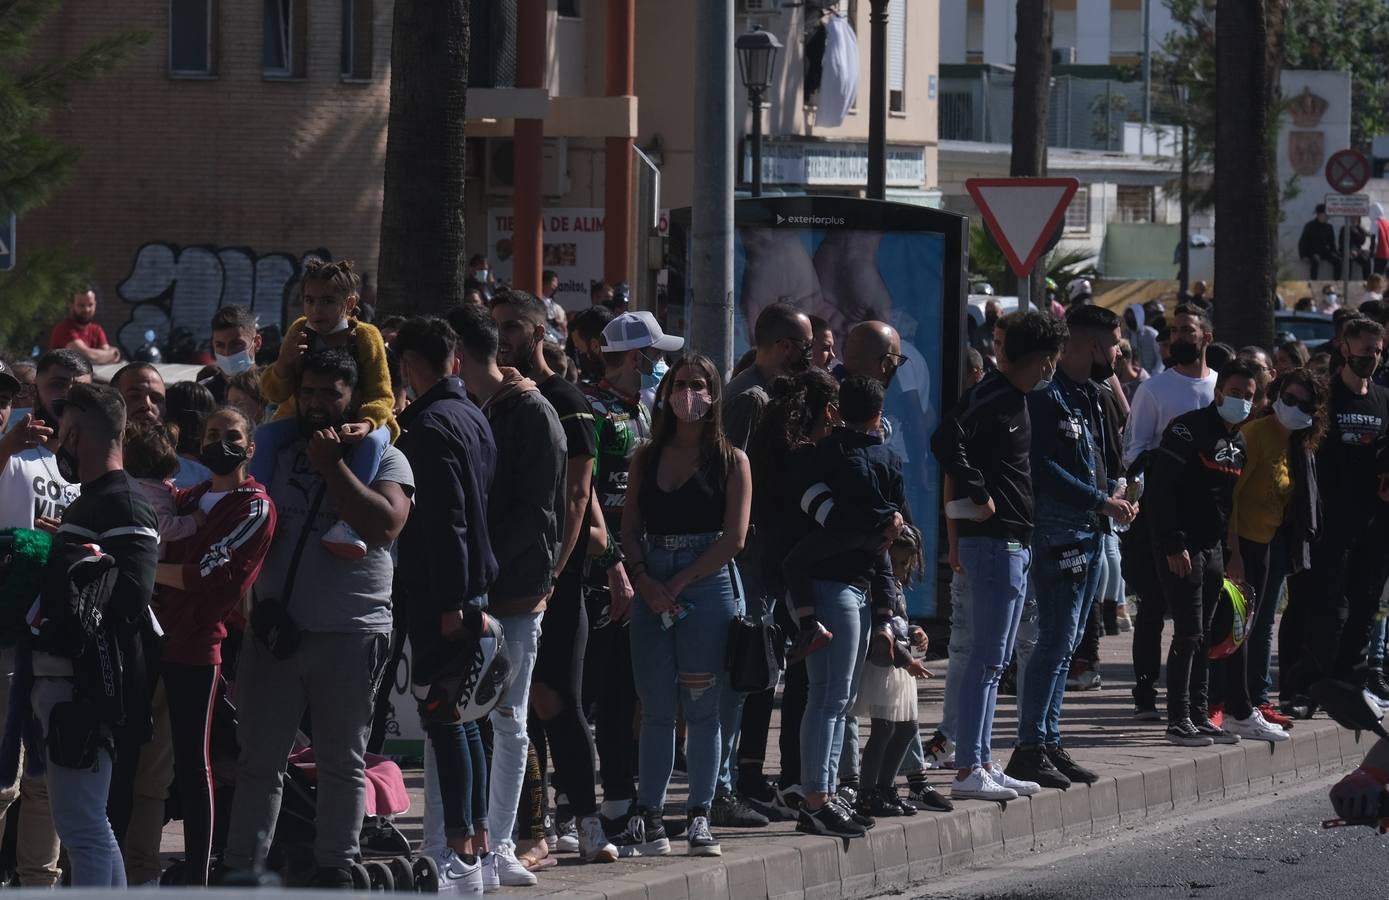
(756, 652)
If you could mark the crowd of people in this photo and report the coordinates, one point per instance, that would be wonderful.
(578, 523)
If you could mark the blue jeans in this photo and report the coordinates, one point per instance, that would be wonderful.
(1066, 579)
(509, 739)
(833, 676)
(748, 590)
(961, 637)
(1112, 587)
(998, 582)
(681, 666)
(77, 799)
(464, 742)
(363, 459)
(1265, 569)
(1026, 640)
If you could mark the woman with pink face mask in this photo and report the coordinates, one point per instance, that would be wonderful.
(689, 493)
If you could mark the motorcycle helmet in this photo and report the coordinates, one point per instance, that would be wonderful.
(1230, 627)
(470, 682)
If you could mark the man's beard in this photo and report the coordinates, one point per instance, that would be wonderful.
(523, 358)
(83, 318)
(307, 425)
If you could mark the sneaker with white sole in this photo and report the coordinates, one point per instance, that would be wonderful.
(459, 877)
(593, 844)
(491, 881)
(1185, 734)
(566, 837)
(699, 840)
(645, 835)
(980, 785)
(940, 752)
(1087, 680)
(1017, 785)
(343, 542)
(510, 870)
(1216, 733)
(1256, 728)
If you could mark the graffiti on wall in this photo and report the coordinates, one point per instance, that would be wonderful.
(171, 287)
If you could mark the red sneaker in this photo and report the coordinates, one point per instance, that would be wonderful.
(1217, 716)
(1273, 716)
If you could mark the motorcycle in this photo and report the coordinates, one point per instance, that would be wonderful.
(1350, 706)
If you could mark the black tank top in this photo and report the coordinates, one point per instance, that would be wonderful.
(695, 507)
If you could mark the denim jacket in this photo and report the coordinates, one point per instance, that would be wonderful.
(1068, 478)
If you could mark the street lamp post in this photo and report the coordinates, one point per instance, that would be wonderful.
(1180, 95)
(756, 58)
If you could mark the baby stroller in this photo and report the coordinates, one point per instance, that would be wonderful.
(387, 862)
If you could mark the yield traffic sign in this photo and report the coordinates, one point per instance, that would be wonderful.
(1022, 213)
(1347, 171)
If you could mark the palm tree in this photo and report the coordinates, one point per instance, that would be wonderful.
(1248, 57)
(422, 262)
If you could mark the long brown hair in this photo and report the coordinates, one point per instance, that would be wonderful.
(712, 444)
(1310, 438)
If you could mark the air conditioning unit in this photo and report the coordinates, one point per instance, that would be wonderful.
(1063, 56)
(760, 6)
(501, 167)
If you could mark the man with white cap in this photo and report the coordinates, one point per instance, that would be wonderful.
(633, 348)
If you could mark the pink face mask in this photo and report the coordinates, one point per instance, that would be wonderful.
(690, 406)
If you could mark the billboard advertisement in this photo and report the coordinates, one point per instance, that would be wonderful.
(573, 248)
(850, 261)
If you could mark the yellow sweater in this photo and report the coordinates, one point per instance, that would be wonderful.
(373, 378)
(1265, 485)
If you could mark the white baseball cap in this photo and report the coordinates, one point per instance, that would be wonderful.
(637, 331)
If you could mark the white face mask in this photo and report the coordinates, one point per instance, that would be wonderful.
(236, 363)
(1234, 410)
(1290, 417)
(341, 326)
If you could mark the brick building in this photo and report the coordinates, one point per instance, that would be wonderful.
(241, 137)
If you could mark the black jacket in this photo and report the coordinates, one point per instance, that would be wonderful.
(864, 480)
(1318, 239)
(1191, 481)
(445, 549)
(984, 444)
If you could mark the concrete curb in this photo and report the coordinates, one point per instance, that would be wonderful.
(900, 852)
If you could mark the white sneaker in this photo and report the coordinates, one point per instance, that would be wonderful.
(508, 868)
(457, 876)
(1257, 728)
(566, 837)
(979, 785)
(940, 754)
(1018, 786)
(490, 882)
(343, 542)
(593, 843)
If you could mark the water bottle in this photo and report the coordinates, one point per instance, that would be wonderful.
(1122, 490)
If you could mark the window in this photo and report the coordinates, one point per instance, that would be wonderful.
(568, 9)
(283, 48)
(356, 38)
(1078, 212)
(1134, 204)
(192, 24)
(896, 55)
(1125, 32)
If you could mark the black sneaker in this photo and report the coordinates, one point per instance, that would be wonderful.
(1299, 707)
(858, 818)
(848, 792)
(730, 811)
(876, 804)
(891, 796)
(1008, 681)
(809, 639)
(929, 797)
(1031, 763)
(828, 820)
(1147, 712)
(1375, 684)
(760, 796)
(1216, 733)
(645, 835)
(1185, 734)
(699, 840)
(1067, 766)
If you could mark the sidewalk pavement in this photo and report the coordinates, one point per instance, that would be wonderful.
(1142, 778)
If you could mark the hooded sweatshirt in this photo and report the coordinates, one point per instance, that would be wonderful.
(525, 509)
(1144, 341)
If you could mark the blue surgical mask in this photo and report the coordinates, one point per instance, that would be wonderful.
(651, 380)
(236, 363)
(1234, 410)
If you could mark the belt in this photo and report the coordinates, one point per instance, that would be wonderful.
(683, 541)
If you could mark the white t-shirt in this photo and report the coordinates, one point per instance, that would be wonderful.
(30, 486)
(209, 500)
(1157, 402)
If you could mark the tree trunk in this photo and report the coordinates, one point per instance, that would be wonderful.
(422, 263)
(1248, 57)
(1031, 100)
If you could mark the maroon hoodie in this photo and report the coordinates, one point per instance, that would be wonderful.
(220, 563)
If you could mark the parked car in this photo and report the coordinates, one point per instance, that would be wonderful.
(1311, 328)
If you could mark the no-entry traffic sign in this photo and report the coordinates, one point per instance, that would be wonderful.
(1347, 171)
(1022, 214)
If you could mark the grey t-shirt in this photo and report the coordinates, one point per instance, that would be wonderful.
(330, 594)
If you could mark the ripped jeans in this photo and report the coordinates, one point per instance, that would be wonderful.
(680, 667)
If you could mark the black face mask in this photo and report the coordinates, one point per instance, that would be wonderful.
(222, 457)
(67, 465)
(1363, 366)
(1184, 354)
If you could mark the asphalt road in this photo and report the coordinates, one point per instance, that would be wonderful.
(1270, 847)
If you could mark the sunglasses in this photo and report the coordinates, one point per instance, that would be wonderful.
(1306, 406)
(897, 359)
